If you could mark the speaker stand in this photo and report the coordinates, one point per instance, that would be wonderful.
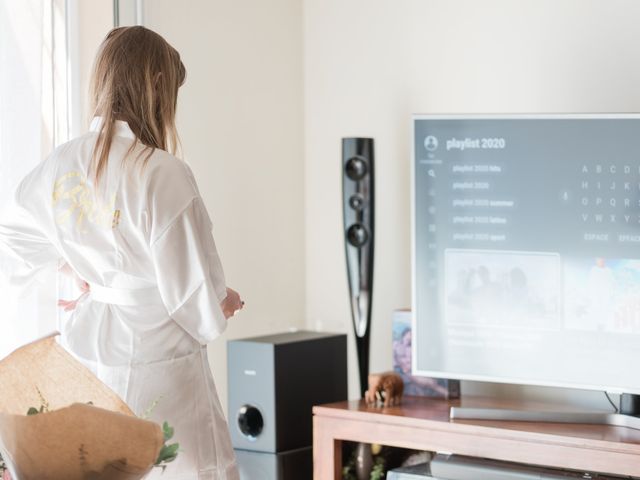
(362, 347)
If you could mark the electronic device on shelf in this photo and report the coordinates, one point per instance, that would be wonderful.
(460, 467)
(274, 381)
(358, 184)
(526, 254)
(414, 472)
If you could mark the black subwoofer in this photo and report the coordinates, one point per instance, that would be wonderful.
(274, 382)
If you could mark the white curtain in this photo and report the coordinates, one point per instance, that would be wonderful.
(33, 119)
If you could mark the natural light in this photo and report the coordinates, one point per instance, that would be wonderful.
(33, 119)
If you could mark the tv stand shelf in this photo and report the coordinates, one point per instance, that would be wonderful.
(423, 424)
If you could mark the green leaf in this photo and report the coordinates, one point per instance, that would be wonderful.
(33, 411)
(167, 431)
(172, 449)
(168, 453)
(377, 473)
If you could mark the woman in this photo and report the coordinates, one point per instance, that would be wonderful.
(126, 217)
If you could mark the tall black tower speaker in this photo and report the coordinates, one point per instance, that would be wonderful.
(358, 209)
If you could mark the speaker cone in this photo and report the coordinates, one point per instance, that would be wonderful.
(356, 168)
(250, 421)
(356, 201)
(357, 235)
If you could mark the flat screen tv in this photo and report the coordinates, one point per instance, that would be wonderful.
(526, 249)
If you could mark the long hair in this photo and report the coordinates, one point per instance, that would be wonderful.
(136, 77)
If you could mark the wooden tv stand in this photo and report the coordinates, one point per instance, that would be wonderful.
(423, 424)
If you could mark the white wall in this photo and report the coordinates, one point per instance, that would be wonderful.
(370, 64)
(89, 23)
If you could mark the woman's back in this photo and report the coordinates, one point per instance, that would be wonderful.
(112, 236)
(108, 225)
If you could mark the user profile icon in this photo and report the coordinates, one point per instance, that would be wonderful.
(431, 143)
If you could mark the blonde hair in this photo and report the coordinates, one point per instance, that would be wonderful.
(136, 77)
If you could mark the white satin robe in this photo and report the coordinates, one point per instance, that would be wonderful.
(144, 244)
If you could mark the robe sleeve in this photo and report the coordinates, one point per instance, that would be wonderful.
(189, 273)
(24, 248)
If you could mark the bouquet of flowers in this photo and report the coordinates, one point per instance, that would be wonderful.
(63, 439)
(167, 454)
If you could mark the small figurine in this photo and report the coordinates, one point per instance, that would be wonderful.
(387, 387)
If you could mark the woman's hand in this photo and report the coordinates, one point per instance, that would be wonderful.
(66, 270)
(84, 287)
(70, 305)
(232, 303)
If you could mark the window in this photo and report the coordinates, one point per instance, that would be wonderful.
(34, 106)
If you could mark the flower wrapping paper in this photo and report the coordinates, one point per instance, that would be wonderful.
(74, 439)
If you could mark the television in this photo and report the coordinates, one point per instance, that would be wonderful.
(526, 249)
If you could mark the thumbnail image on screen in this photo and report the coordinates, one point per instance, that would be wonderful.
(502, 288)
(526, 249)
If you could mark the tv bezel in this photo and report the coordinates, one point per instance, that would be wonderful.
(414, 325)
